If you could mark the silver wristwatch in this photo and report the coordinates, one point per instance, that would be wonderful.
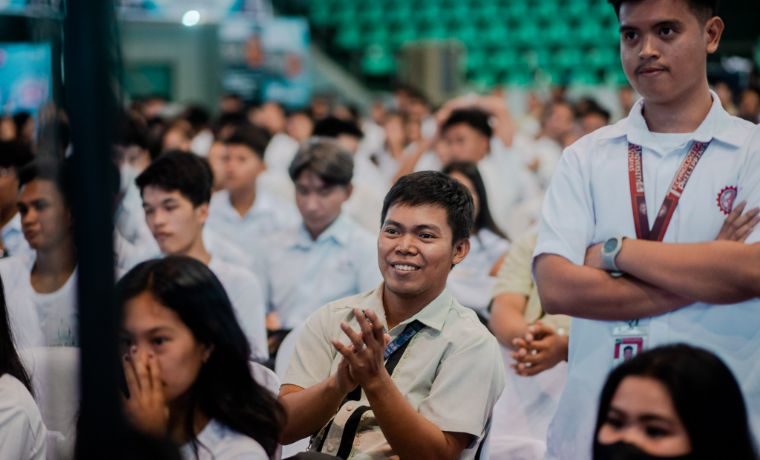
(610, 249)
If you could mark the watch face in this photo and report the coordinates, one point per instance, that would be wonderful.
(610, 245)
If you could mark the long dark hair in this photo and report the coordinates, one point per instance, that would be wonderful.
(705, 395)
(10, 363)
(484, 219)
(224, 390)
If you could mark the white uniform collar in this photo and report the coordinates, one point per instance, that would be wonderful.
(718, 124)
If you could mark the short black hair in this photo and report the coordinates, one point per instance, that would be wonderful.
(474, 118)
(702, 9)
(436, 189)
(325, 158)
(133, 130)
(333, 127)
(14, 154)
(251, 136)
(596, 109)
(49, 169)
(180, 171)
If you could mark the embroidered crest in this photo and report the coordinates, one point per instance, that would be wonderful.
(726, 199)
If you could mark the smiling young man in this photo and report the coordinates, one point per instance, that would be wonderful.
(668, 173)
(327, 256)
(175, 190)
(443, 371)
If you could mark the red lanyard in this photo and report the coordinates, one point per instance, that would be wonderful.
(638, 199)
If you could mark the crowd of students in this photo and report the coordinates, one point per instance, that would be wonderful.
(452, 282)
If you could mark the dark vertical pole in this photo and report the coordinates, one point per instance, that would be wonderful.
(89, 87)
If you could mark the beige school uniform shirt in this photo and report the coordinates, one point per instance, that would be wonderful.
(515, 277)
(451, 372)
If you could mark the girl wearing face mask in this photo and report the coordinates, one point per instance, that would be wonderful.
(186, 365)
(673, 402)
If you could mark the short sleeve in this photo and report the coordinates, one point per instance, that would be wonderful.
(452, 405)
(314, 354)
(749, 181)
(515, 275)
(567, 218)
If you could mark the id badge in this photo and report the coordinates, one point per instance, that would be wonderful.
(630, 340)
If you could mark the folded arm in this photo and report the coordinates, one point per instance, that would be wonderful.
(587, 292)
(713, 272)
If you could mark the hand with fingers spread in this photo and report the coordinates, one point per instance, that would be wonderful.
(541, 349)
(739, 224)
(146, 407)
(364, 357)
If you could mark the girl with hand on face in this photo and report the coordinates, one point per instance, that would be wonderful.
(672, 402)
(186, 365)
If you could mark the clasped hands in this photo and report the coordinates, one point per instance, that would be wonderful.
(363, 360)
(540, 349)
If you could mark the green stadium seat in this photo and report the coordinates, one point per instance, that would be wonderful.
(378, 61)
(349, 38)
(401, 36)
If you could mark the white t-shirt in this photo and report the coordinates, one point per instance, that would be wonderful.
(589, 201)
(218, 442)
(247, 298)
(22, 315)
(58, 314)
(22, 433)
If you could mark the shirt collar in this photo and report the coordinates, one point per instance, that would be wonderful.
(262, 204)
(433, 315)
(339, 232)
(13, 225)
(716, 125)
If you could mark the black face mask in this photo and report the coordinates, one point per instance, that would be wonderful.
(624, 451)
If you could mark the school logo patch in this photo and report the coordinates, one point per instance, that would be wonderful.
(726, 199)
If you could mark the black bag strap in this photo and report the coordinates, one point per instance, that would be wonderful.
(349, 432)
(397, 349)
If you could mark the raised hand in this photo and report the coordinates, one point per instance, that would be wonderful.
(364, 357)
(146, 407)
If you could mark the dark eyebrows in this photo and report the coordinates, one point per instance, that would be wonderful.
(164, 202)
(431, 227)
(671, 23)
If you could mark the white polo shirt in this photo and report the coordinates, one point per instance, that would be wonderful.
(247, 298)
(589, 201)
(268, 214)
(219, 442)
(300, 274)
(451, 372)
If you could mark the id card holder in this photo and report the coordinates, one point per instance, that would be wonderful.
(630, 340)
